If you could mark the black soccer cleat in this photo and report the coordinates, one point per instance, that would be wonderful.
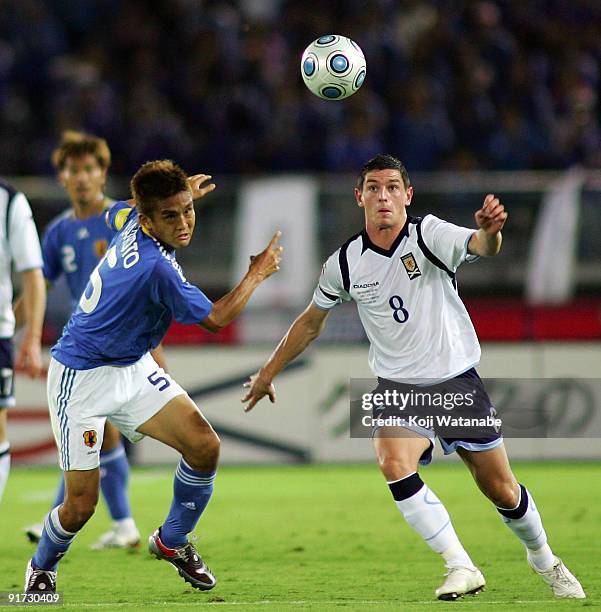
(186, 561)
(39, 580)
(34, 532)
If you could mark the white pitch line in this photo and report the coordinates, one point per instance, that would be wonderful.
(280, 602)
(38, 496)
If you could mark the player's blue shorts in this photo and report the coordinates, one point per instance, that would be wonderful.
(7, 396)
(459, 413)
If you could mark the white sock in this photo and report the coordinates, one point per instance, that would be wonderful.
(456, 556)
(525, 521)
(542, 558)
(4, 465)
(425, 513)
(126, 524)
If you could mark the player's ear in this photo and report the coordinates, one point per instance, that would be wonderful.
(62, 177)
(409, 195)
(145, 221)
(359, 198)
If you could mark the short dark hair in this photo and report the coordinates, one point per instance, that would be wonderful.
(77, 144)
(156, 181)
(384, 161)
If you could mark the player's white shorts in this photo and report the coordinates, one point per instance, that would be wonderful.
(80, 402)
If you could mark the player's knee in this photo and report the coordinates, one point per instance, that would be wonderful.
(78, 509)
(504, 494)
(203, 451)
(395, 468)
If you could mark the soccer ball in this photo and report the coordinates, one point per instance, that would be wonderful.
(333, 67)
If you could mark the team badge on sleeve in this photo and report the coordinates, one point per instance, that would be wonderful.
(90, 438)
(411, 266)
(100, 247)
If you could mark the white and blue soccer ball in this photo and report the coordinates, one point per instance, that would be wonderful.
(333, 67)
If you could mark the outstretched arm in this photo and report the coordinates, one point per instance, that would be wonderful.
(490, 219)
(262, 266)
(301, 333)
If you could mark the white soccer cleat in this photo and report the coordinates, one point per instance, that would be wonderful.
(562, 582)
(461, 581)
(34, 532)
(120, 536)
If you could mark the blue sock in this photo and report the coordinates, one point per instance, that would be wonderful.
(191, 493)
(114, 476)
(60, 492)
(54, 543)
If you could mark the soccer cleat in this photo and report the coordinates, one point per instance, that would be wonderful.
(34, 532)
(120, 536)
(186, 561)
(38, 580)
(461, 581)
(562, 582)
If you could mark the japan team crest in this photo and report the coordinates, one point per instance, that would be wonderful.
(411, 266)
(90, 438)
(100, 247)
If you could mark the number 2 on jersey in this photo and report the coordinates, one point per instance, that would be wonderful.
(400, 314)
(68, 254)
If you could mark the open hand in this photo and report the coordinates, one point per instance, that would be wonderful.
(199, 190)
(257, 390)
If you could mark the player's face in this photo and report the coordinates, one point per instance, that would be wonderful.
(384, 199)
(173, 220)
(83, 178)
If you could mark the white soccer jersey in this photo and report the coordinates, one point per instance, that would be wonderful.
(417, 325)
(19, 244)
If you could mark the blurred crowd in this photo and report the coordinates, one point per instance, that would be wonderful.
(215, 84)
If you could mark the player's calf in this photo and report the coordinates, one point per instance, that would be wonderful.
(54, 543)
(526, 523)
(192, 491)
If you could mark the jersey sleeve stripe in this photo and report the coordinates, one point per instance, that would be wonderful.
(11, 193)
(430, 256)
(330, 296)
(343, 263)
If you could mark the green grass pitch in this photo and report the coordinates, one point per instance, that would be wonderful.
(317, 538)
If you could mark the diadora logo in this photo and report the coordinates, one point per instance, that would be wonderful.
(366, 285)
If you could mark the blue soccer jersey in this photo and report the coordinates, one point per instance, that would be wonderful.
(73, 247)
(130, 300)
